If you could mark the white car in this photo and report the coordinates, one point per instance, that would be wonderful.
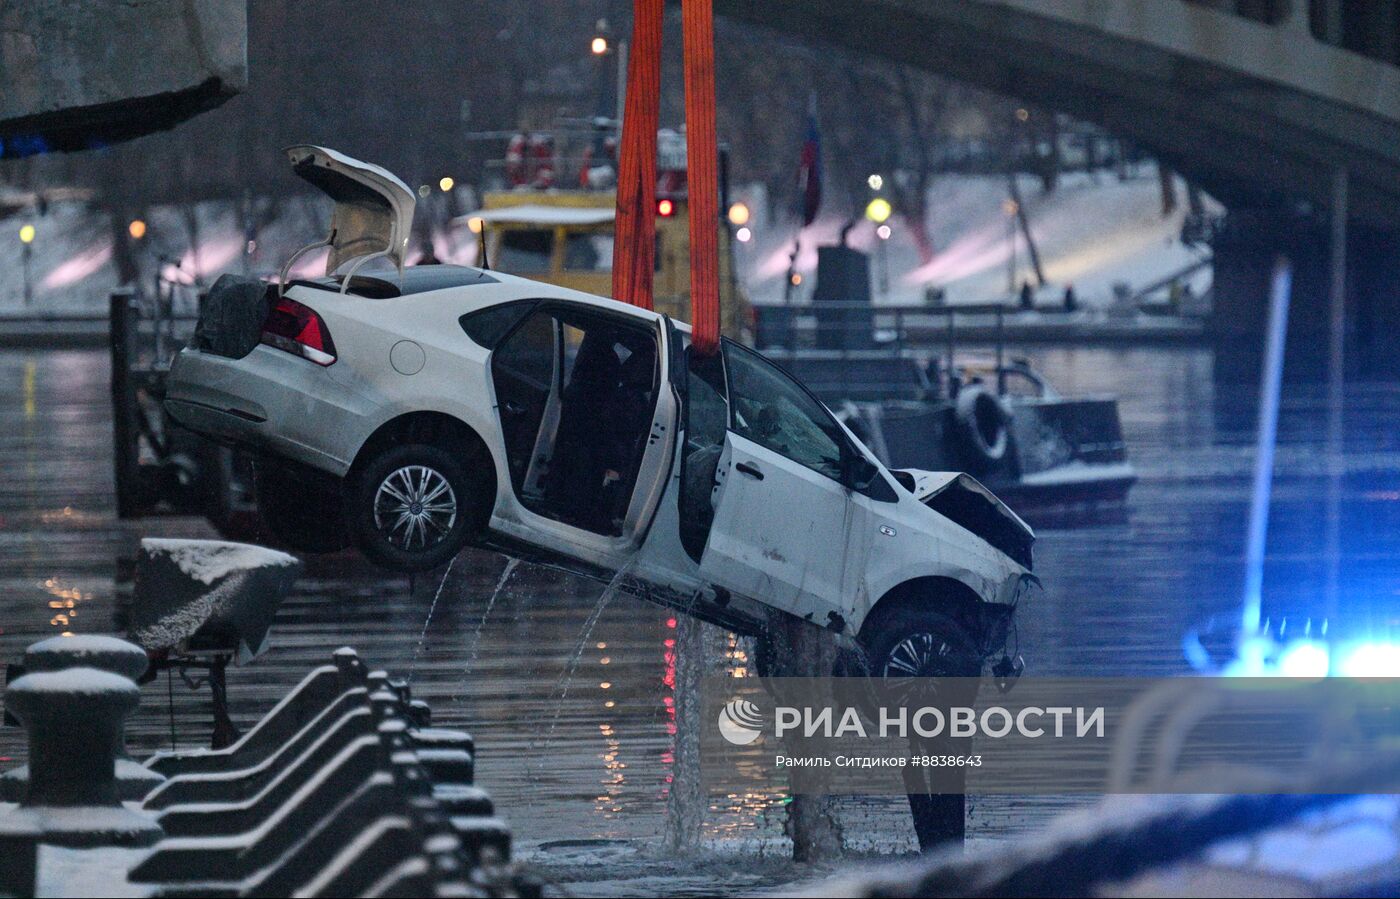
(420, 410)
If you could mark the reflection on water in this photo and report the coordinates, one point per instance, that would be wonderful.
(64, 604)
(569, 694)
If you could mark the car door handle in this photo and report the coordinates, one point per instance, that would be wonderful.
(513, 408)
(750, 470)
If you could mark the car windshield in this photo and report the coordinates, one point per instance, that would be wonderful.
(525, 250)
(588, 252)
(774, 411)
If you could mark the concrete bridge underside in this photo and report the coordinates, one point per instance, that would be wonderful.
(78, 75)
(1260, 114)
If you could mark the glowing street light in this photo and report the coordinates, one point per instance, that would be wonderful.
(743, 235)
(474, 224)
(26, 237)
(878, 210)
(875, 181)
(446, 183)
(137, 229)
(739, 214)
(883, 232)
(599, 45)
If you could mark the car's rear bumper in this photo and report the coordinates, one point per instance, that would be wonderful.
(268, 401)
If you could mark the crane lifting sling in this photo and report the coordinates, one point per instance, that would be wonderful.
(634, 253)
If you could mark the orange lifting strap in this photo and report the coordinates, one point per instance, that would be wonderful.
(635, 250)
(636, 188)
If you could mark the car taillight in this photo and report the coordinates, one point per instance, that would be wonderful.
(297, 329)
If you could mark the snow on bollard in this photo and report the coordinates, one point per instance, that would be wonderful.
(74, 718)
(208, 595)
(104, 653)
(87, 651)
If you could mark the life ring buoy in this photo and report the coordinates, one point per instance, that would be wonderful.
(982, 425)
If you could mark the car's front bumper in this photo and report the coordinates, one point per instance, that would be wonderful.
(268, 401)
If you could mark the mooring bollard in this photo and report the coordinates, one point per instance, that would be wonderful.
(19, 852)
(361, 799)
(104, 653)
(74, 718)
(309, 699)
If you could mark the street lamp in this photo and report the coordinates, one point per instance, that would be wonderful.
(883, 232)
(602, 48)
(739, 214)
(26, 239)
(137, 229)
(446, 183)
(878, 210)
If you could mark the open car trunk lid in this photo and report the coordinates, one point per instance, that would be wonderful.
(373, 209)
(962, 499)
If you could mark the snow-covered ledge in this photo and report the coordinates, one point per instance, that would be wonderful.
(208, 594)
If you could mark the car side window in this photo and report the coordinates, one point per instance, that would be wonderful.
(488, 326)
(770, 408)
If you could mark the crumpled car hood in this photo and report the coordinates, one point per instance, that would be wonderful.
(964, 500)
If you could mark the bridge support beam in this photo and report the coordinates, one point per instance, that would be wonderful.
(1244, 253)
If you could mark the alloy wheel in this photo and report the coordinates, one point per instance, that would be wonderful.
(415, 507)
(920, 655)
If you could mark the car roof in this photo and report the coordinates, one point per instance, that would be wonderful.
(514, 287)
(482, 287)
(415, 279)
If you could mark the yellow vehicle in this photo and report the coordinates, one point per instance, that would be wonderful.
(565, 237)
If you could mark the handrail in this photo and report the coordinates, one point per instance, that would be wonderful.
(1168, 280)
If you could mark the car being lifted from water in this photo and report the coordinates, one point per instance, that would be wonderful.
(422, 410)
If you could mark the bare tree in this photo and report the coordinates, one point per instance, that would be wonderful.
(912, 186)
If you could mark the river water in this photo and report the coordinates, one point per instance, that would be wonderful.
(575, 734)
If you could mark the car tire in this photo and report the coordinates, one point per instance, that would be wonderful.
(938, 646)
(299, 507)
(390, 521)
(918, 639)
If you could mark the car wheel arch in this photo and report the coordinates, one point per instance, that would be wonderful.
(434, 428)
(951, 596)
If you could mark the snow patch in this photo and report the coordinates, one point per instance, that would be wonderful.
(99, 871)
(176, 627)
(80, 645)
(1079, 471)
(209, 560)
(83, 681)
